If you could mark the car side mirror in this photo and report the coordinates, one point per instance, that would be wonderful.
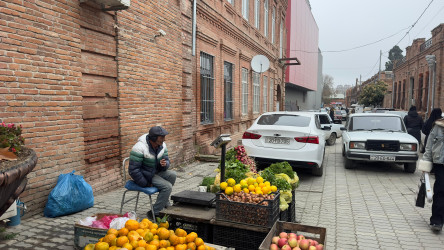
(343, 128)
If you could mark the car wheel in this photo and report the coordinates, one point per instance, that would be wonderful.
(410, 167)
(332, 139)
(318, 171)
(348, 163)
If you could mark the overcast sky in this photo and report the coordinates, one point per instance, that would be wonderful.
(346, 24)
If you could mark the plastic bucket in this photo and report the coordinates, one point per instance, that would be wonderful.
(21, 209)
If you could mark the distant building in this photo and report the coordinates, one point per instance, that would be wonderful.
(341, 89)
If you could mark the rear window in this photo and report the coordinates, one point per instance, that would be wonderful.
(393, 123)
(284, 120)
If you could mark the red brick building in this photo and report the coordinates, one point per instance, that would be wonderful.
(414, 77)
(85, 83)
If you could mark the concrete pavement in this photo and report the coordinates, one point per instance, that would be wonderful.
(369, 207)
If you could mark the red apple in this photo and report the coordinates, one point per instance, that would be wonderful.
(282, 242)
(293, 242)
(292, 235)
(296, 248)
(275, 239)
(303, 244)
(274, 247)
(283, 235)
(319, 247)
(314, 243)
(300, 237)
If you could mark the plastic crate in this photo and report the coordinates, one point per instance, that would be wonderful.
(203, 230)
(240, 239)
(289, 214)
(310, 232)
(247, 213)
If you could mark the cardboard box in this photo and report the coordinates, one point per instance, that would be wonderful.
(84, 235)
(310, 232)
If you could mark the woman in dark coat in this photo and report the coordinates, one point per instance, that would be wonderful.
(414, 123)
(428, 125)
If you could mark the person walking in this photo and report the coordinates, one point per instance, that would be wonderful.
(434, 115)
(332, 114)
(434, 153)
(149, 165)
(414, 123)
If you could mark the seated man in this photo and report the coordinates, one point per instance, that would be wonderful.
(149, 165)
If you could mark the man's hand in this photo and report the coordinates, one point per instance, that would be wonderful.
(163, 163)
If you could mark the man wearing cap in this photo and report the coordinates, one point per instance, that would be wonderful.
(149, 165)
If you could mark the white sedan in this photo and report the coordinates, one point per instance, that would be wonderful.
(379, 137)
(295, 137)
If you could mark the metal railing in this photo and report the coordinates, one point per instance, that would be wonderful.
(427, 44)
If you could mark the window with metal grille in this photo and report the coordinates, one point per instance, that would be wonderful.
(228, 90)
(245, 7)
(265, 91)
(206, 88)
(271, 93)
(244, 91)
(256, 92)
(257, 11)
(266, 18)
(273, 22)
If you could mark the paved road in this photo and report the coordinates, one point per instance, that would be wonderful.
(369, 207)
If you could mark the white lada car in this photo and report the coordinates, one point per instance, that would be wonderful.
(378, 137)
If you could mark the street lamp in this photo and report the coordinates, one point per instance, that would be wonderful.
(431, 61)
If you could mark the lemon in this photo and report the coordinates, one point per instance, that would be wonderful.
(231, 182)
(257, 190)
(267, 183)
(250, 181)
(237, 188)
(246, 190)
(261, 185)
(229, 191)
(251, 188)
(274, 188)
(259, 179)
(265, 190)
(223, 185)
(243, 183)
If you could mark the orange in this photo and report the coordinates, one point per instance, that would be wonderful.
(259, 179)
(223, 185)
(155, 242)
(140, 231)
(151, 247)
(132, 225)
(153, 231)
(101, 246)
(148, 237)
(229, 191)
(170, 248)
(89, 247)
(121, 241)
(139, 248)
(164, 243)
(181, 247)
(154, 225)
(112, 231)
(123, 232)
(163, 233)
(237, 188)
(199, 242)
(191, 246)
(202, 247)
(231, 182)
(193, 236)
(128, 246)
(143, 225)
(109, 238)
(156, 237)
(142, 243)
(182, 240)
(174, 239)
(180, 232)
(113, 248)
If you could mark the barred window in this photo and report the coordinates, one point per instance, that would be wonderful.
(265, 91)
(245, 5)
(207, 88)
(271, 93)
(244, 91)
(257, 12)
(273, 22)
(266, 18)
(228, 90)
(256, 92)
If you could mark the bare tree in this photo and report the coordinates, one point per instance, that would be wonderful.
(327, 90)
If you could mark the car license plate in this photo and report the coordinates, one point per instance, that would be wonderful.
(382, 158)
(277, 140)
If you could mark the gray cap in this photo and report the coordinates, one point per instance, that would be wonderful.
(157, 131)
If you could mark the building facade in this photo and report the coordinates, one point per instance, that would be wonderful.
(415, 81)
(302, 43)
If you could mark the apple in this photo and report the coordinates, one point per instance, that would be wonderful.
(292, 235)
(293, 242)
(312, 248)
(319, 247)
(283, 235)
(314, 243)
(274, 247)
(286, 247)
(275, 239)
(300, 237)
(303, 244)
(282, 242)
(296, 248)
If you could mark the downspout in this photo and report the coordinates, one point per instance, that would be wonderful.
(393, 91)
(433, 87)
(194, 29)
(428, 94)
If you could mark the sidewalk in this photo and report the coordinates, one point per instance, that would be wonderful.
(39, 232)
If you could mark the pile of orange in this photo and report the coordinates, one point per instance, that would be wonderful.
(146, 235)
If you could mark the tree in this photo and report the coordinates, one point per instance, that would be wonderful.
(373, 94)
(327, 90)
(394, 54)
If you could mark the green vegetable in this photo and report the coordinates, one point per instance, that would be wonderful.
(282, 167)
(283, 205)
(236, 170)
(268, 175)
(282, 184)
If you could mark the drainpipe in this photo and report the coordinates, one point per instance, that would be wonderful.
(393, 91)
(432, 66)
(194, 28)
(434, 83)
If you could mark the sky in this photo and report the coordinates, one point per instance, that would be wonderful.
(347, 24)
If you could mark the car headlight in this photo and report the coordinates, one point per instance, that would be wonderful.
(357, 145)
(407, 147)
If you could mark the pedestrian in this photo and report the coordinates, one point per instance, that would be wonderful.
(434, 153)
(434, 115)
(414, 123)
(346, 110)
(332, 114)
(149, 165)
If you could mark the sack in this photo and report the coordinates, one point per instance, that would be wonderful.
(425, 166)
(420, 197)
(70, 195)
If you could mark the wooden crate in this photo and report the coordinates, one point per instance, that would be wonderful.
(310, 232)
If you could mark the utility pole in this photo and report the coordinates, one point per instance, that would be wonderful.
(380, 55)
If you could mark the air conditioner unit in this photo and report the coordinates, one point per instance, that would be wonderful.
(114, 4)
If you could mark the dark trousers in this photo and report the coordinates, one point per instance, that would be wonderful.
(438, 196)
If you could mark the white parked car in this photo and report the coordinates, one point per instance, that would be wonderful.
(379, 137)
(334, 132)
(295, 137)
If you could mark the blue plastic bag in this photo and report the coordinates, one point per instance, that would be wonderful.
(70, 195)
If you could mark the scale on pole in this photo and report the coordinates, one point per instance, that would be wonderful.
(204, 198)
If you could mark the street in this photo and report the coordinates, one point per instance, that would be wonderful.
(369, 207)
